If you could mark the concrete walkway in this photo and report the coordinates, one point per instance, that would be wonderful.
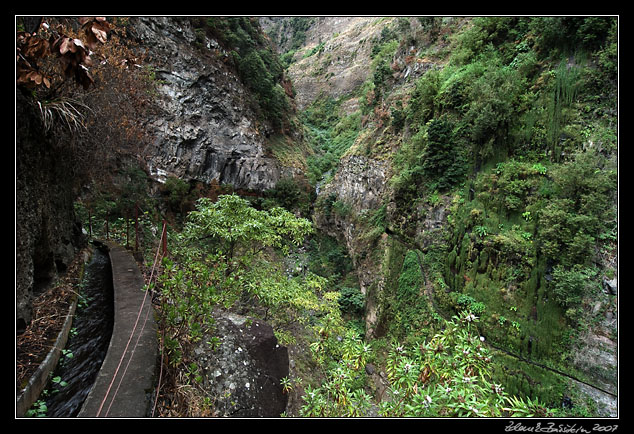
(123, 387)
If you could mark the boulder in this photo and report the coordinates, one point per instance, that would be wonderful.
(610, 286)
(242, 373)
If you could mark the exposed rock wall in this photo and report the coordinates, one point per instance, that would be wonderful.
(360, 183)
(342, 65)
(206, 130)
(47, 234)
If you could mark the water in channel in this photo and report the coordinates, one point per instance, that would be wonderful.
(88, 341)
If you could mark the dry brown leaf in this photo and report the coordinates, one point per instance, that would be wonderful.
(73, 53)
(66, 45)
(100, 34)
(35, 47)
(79, 44)
(91, 39)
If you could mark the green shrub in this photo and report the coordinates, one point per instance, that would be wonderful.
(570, 285)
(423, 105)
(450, 376)
(329, 134)
(290, 195)
(570, 222)
(556, 36)
(177, 192)
(351, 301)
(328, 258)
(442, 162)
(468, 303)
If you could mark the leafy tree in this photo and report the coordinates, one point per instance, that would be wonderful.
(219, 260)
(231, 223)
(290, 301)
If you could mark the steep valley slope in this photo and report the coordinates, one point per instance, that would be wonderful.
(375, 85)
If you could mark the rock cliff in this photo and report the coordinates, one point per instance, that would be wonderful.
(207, 130)
(47, 233)
(335, 57)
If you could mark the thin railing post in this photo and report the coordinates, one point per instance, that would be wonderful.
(164, 237)
(136, 227)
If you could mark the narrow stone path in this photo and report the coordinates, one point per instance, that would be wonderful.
(126, 377)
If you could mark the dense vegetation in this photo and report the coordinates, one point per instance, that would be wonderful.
(513, 131)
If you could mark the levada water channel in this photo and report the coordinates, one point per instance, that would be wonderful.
(88, 341)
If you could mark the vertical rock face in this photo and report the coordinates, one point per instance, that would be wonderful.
(360, 183)
(206, 130)
(47, 234)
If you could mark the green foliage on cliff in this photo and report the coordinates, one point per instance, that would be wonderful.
(329, 134)
(258, 66)
(516, 124)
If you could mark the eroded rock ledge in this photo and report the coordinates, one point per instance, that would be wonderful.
(243, 372)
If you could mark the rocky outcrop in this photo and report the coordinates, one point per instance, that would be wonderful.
(242, 374)
(596, 352)
(360, 185)
(206, 130)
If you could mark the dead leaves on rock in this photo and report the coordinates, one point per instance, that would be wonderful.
(73, 53)
(96, 30)
(30, 49)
